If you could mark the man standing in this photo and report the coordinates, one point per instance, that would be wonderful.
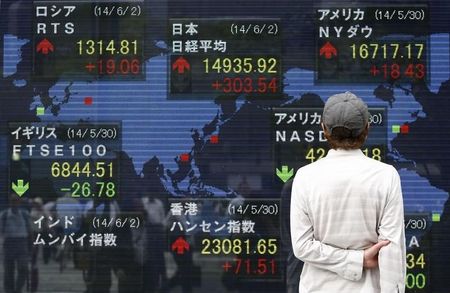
(15, 227)
(347, 221)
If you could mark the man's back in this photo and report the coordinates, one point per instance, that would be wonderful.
(347, 200)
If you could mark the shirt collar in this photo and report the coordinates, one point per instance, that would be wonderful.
(344, 153)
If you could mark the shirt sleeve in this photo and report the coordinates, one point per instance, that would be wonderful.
(346, 263)
(392, 258)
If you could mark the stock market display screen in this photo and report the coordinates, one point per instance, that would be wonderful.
(151, 145)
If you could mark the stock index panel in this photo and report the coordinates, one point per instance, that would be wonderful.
(151, 145)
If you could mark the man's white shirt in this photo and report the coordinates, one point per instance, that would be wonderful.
(341, 205)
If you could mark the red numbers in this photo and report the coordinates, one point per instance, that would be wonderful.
(247, 266)
(247, 85)
(396, 71)
(119, 67)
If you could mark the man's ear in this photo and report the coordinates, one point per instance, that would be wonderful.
(324, 128)
(367, 128)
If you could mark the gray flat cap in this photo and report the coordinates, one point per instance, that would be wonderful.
(345, 110)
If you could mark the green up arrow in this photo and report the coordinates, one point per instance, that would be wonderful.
(285, 174)
(20, 188)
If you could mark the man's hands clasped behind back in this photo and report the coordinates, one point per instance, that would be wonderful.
(371, 254)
